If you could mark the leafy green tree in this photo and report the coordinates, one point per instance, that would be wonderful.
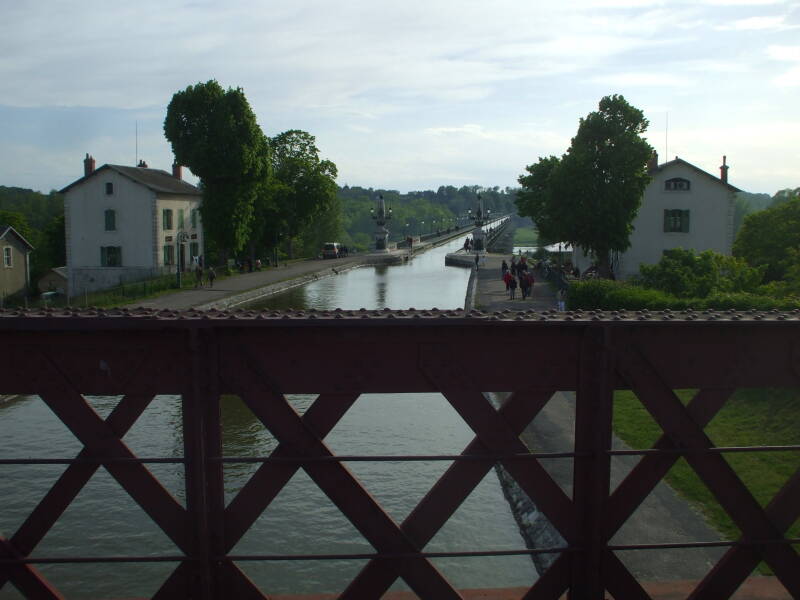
(766, 238)
(303, 187)
(536, 199)
(214, 132)
(590, 197)
(685, 274)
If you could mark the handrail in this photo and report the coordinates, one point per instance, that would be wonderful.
(65, 355)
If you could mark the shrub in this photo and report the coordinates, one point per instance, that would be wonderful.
(603, 294)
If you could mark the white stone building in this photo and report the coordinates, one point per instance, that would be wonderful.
(683, 207)
(129, 223)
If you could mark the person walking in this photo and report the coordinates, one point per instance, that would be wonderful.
(198, 275)
(477, 259)
(212, 275)
(524, 284)
(503, 269)
(507, 279)
(512, 288)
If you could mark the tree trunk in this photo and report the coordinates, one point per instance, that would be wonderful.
(604, 265)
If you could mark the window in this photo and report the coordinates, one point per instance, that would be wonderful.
(169, 254)
(181, 221)
(7, 261)
(111, 220)
(166, 219)
(194, 249)
(677, 184)
(676, 221)
(111, 256)
(193, 218)
(109, 188)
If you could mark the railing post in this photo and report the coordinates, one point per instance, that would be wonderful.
(202, 438)
(593, 416)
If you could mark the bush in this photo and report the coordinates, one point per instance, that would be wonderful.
(685, 274)
(603, 294)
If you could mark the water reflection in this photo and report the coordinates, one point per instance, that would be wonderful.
(424, 282)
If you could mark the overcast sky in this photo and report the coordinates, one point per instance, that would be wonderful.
(407, 94)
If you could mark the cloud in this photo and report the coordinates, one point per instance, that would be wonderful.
(757, 24)
(648, 80)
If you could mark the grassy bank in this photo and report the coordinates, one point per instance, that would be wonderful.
(525, 236)
(752, 417)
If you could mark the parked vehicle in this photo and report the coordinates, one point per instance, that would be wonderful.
(330, 250)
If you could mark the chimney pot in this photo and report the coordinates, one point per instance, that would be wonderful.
(88, 165)
(723, 170)
(142, 164)
(177, 171)
(652, 164)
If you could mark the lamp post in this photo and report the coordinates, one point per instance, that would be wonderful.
(478, 242)
(381, 216)
(181, 238)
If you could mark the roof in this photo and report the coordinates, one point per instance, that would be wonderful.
(155, 179)
(5, 229)
(680, 161)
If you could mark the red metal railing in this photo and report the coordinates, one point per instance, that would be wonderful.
(64, 356)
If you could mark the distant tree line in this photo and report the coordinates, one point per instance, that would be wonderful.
(418, 212)
(39, 218)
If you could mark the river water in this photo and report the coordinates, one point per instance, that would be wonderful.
(103, 521)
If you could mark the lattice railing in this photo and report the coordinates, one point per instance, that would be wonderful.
(63, 357)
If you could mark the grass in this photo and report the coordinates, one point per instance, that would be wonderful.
(751, 417)
(525, 236)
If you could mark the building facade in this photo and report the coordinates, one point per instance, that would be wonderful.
(682, 207)
(127, 224)
(15, 264)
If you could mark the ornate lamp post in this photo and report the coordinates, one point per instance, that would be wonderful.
(380, 215)
(478, 236)
(180, 239)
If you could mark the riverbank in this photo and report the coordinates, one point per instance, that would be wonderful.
(663, 517)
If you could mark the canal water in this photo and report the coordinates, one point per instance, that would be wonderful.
(103, 521)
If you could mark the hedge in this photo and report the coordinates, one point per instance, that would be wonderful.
(604, 294)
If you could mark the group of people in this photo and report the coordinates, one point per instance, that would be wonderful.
(200, 275)
(517, 275)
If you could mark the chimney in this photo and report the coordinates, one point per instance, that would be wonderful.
(177, 171)
(142, 164)
(652, 164)
(723, 170)
(88, 165)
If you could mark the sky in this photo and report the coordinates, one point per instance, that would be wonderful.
(407, 94)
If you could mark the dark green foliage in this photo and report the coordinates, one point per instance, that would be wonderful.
(591, 195)
(685, 274)
(214, 132)
(602, 294)
(303, 187)
(770, 239)
(38, 209)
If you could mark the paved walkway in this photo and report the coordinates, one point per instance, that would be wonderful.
(245, 282)
(491, 294)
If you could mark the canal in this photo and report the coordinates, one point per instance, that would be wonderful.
(103, 521)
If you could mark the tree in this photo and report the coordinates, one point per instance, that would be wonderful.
(303, 186)
(214, 132)
(685, 274)
(590, 196)
(767, 236)
(536, 199)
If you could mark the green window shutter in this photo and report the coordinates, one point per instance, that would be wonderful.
(685, 221)
(103, 256)
(666, 220)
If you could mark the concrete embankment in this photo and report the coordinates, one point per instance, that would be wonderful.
(662, 518)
